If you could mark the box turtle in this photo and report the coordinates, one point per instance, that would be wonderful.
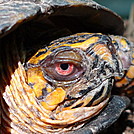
(63, 66)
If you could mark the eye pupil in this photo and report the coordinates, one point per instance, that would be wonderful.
(64, 66)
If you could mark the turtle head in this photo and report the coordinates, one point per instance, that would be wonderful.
(75, 71)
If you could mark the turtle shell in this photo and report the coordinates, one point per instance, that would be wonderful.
(77, 16)
(24, 27)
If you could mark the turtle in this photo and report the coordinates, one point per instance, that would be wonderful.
(63, 64)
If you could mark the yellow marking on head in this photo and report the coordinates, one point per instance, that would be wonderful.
(113, 41)
(48, 107)
(100, 49)
(107, 57)
(123, 43)
(103, 51)
(121, 83)
(35, 60)
(49, 89)
(133, 55)
(130, 73)
(117, 77)
(36, 78)
(42, 50)
(84, 45)
(37, 88)
(56, 97)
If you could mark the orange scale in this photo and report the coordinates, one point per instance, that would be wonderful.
(122, 82)
(130, 73)
(56, 97)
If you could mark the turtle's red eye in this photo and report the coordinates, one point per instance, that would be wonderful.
(64, 68)
(63, 65)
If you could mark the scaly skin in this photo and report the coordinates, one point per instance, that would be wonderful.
(125, 51)
(67, 82)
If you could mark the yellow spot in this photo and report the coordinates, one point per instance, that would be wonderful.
(49, 89)
(36, 60)
(113, 41)
(130, 73)
(56, 97)
(123, 43)
(122, 82)
(36, 78)
(84, 45)
(133, 55)
(48, 107)
(103, 51)
(117, 78)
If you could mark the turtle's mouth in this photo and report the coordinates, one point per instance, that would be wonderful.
(83, 108)
(91, 98)
(60, 100)
(70, 110)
